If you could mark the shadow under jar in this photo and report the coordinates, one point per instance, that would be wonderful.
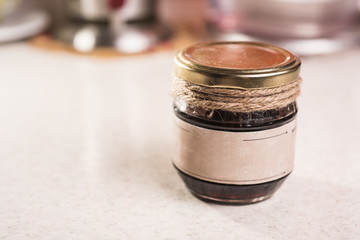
(235, 124)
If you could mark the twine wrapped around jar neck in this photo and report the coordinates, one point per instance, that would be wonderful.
(235, 100)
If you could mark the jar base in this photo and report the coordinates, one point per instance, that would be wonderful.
(230, 201)
(230, 194)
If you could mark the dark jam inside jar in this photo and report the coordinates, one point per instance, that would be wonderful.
(235, 122)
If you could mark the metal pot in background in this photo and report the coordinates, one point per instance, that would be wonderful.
(135, 26)
(134, 10)
(127, 26)
(88, 10)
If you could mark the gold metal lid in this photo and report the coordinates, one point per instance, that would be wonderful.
(244, 65)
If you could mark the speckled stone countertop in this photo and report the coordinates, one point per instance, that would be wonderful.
(85, 154)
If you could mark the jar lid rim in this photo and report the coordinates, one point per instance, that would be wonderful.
(244, 65)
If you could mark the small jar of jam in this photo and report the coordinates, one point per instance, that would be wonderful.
(235, 124)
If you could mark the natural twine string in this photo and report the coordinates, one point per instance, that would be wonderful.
(235, 100)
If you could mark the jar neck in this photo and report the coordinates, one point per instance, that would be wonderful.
(234, 121)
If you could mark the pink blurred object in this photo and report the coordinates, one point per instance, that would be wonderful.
(283, 18)
(183, 14)
(332, 23)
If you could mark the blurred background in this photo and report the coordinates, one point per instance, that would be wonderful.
(133, 26)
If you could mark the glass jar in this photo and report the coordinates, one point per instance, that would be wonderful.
(224, 154)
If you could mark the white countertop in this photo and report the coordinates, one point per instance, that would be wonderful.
(85, 154)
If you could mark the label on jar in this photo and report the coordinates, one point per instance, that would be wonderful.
(234, 157)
